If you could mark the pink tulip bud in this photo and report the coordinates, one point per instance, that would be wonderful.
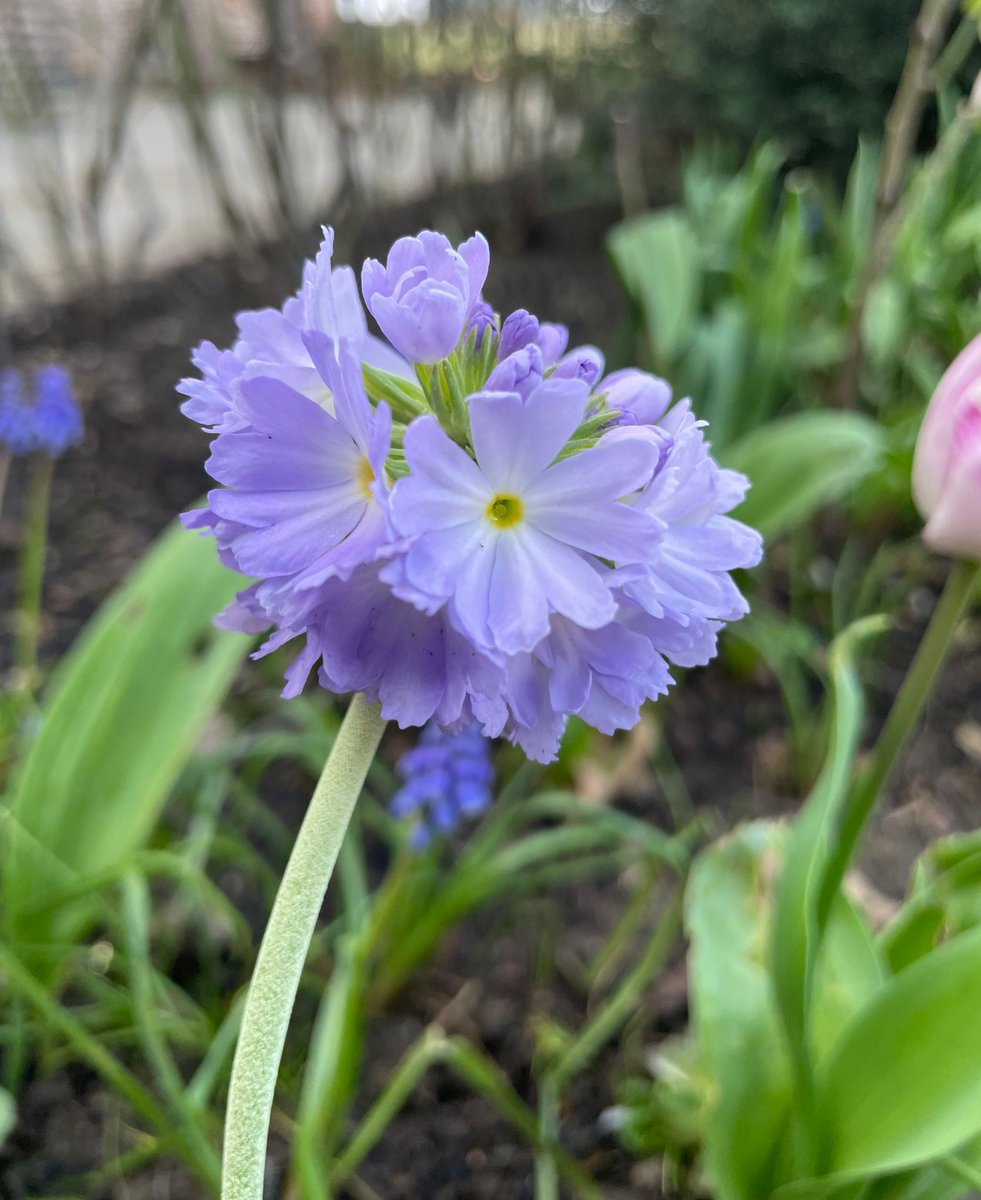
(947, 464)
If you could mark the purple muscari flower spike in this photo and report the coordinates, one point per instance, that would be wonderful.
(426, 292)
(57, 419)
(448, 778)
(520, 329)
(641, 398)
(482, 321)
(17, 431)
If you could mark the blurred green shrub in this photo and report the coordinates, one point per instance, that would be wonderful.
(126, 708)
(746, 293)
(815, 76)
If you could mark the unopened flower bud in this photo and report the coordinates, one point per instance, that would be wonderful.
(947, 464)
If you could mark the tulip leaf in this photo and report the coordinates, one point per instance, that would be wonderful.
(733, 1016)
(903, 1086)
(801, 463)
(125, 710)
(658, 260)
(941, 1182)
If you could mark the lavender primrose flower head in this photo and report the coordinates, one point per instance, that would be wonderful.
(504, 543)
(448, 778)
(49, 422)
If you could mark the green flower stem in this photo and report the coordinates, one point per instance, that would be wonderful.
(32, 573)
(5, 459)
(961, 587)
(284, 950)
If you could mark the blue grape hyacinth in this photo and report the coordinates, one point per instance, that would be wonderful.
(448, 778)
(16, 416)
(470, 523)
(48, 421)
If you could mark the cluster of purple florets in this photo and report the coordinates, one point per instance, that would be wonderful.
(463, 519)
(447, 778)
(48, 420)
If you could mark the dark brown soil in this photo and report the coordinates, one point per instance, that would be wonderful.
(141, 462)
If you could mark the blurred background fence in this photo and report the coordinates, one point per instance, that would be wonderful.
(136, 134)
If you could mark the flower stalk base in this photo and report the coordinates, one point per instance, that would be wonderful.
(284, 950)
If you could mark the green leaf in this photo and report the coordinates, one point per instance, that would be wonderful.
(849, 972)
(125, 710)
(799, 464)
(733, 1014)
(964, 231)
(858, 215)
(904, 1085)
(8, 1115)
(942, 1182)
(945, 899)
(884, 322)
(657, 257)
(811, 860)
(723, 348)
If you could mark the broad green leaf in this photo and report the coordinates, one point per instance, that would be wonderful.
(799, 464)
(733, 1015)
(849, 972)
(904, 1084)
(824, 1189)
(722, 349)
(946, 1181)
(858, 214)
(780, 291)
(657, 257)
(125, 709)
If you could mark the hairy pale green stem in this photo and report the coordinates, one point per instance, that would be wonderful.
(284, 950)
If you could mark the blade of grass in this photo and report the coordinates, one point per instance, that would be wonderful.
(136, 923)
(584, 1047)
(433, 1048)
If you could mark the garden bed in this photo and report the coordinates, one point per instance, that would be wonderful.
(504, 970)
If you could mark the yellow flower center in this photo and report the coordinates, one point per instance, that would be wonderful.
(366, 477)
(504, 511)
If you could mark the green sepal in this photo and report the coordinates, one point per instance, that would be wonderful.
(403, 397)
